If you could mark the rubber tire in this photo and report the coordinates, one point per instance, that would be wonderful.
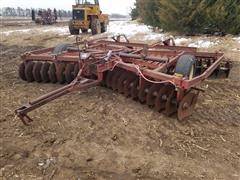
(95, 26)
(60, 76)
(29, 71)
(21, 71)
(103, 28)
(72, 30)
(36, 72)
(184, 65)
(59, 49)
(84, 30)
(52, 73)
(44, 72)
(69, 73)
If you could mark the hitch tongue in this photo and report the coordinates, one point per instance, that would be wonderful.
(20, 112)
(79, 84)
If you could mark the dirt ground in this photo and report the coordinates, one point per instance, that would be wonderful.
(98, 134)
(23, 21)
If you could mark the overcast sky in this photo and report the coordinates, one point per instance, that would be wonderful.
(108, 6)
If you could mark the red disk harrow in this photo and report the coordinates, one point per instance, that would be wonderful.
(161, 75)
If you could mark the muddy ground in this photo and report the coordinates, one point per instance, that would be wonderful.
(98, 134)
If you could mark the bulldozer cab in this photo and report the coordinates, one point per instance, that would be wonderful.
(86, 14)
(87, 2)
(85, 8)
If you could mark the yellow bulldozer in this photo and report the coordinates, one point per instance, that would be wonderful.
(86, 14)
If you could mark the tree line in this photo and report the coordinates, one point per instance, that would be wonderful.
(26, 12)
(190, 16)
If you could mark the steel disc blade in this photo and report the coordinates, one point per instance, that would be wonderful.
(109, 79)
(186, 105)
(115, 78)
(103, 83)
(162, 96)
(151, 98)
(128, 82)
(171, 105)
(36, 71)
(142, 93)
(120, 83)
(134, 89)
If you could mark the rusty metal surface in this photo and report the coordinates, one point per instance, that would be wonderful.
(187, 104)
(140, 71)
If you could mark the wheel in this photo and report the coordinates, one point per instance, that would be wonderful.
(52, 73)
(60, 74)
(103, 27)
(29, 71)
(69, 73)
(44, 72)
(21, 71)
(36, 71)
(186, 66)
(95, 26)
(84, 30)
(61, 48)
(72, 30)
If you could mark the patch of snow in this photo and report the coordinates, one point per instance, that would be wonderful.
(237, 39)
(154, 36)
(59, 30)
(133, 29)
(7, 33)
(202, 44)
(236, 49)
(181, 40)
(128, 28)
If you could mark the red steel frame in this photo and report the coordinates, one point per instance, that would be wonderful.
(150, 62)
(156, 71)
